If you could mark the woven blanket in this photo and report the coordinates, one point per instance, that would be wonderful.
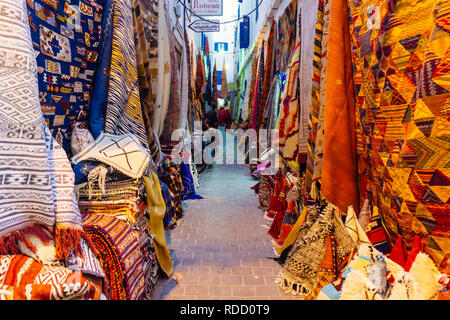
(287, 30)
(66, 37)
(289, 115)
(188, 184)
(170, 220)
(124, 109)
(119, 253)
(37, 181)
(124, 153)
(339, 183)
(402, 91)
(22, 278)
(319, 253)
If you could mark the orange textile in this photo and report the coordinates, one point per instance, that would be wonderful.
(339, 173)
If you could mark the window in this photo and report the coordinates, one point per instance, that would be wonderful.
(220, 46)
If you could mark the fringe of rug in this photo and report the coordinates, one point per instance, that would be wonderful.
(292, 287)
(68, 239)
(9, 244)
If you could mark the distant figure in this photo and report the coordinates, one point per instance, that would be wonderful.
(211, 117)
(224, 117)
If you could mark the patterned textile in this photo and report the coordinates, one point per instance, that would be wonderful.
(320, 252)
(143, 68)
(67, 43)
(149, 12)
(319, 142)
(170, 220)
(376, 232)
(199, 75)
(188, 184)
(119, 253)
(265, 191)
(25, 279)
(124, 153)
(224, 84)
(290, 217)
(315, 97)
(289, 115)
(26, 193)
(400, 61)
(286, 37)
(339, 184)
(258, 90)
(37, 180)
(124, 110)
(172, 118)
(308, 18)
(99, 95)
(268, 73)
(214, 86)
(170, 175)
(247, 106)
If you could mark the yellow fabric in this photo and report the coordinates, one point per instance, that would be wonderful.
(292, 236)
(157, 206)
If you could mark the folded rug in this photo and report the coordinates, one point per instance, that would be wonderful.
(119, 254)
(23, 278)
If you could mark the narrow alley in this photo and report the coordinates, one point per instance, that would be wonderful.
(221, 246)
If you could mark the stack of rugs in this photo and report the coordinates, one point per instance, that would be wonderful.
(115, 215)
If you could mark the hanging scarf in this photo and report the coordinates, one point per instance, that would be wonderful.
(37, 180)
(124, 109)
(214, 86)
(286, 37)
(224, 84)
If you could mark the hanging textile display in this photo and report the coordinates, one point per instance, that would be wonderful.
(246, 107)
(224, 84)
(214, 86)
(268, 74)
(150, 18)
(319, 141)
(313, 120)
(339, 184)
(308, 19)
(99, 95)
(289, 115)
(286, 37)
(402, 93)
(143, 69)
(258, 90)
(164, 71)
(37, 195)
(68, 50)
(124, 110)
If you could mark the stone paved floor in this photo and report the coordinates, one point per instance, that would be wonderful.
(220, 245)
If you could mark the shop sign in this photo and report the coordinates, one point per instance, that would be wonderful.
(205, 26)
(207, 7)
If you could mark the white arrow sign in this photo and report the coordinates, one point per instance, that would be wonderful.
(205, 26)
